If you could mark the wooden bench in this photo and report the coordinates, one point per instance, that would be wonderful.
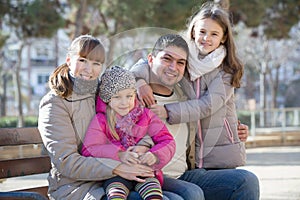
(23, 165)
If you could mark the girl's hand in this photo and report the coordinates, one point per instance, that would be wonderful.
(160, 111)
(133, 172)
(148, 159)
(145, 95)
(140, 150)
(129, 157)
(243, 132)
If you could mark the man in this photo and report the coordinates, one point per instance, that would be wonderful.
(166, 66)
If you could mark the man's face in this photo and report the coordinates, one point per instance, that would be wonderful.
(169, 65)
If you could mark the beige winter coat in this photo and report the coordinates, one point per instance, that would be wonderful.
(62, 125)
(220, 146)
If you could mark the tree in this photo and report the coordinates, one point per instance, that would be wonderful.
(292, 91)
(3, 75)
(3, 38)
(275, 16)
(28, 19)
(271, 22)
(110, 18)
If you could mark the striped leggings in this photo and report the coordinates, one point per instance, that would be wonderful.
(118, 188)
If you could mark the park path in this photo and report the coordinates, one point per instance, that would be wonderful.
(278, 170)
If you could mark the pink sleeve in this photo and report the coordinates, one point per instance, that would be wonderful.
(97, 143)
(164, 143)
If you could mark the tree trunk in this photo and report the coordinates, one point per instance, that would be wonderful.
(275, 88)
(273, 81)
(29, 89)
(79, 18)
(18, 92)
(56, 49)
(262, 98)
(3, 96)
(110, 55)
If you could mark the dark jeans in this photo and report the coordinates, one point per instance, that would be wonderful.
(225, 184)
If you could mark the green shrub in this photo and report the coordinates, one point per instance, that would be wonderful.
(10, 122)
(244, 117)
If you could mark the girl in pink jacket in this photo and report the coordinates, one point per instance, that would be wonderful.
(121, 129)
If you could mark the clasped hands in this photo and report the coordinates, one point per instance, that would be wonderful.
(137, 155)
(136, 162)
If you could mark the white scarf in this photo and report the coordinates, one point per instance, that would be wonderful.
(200, 66)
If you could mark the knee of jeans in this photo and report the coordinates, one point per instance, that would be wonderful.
(250, 183)
(193, 191)
(253, 179)
(196, 192)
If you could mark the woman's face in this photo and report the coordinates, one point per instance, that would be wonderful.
(208, 35)
(84, 68)
(123, 102)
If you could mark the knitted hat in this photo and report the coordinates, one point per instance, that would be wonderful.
(114, 80)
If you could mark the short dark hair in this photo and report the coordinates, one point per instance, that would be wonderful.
(170, 40)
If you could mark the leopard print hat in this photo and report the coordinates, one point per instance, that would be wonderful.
(113, 80)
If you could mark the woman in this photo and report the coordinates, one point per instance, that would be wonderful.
(64, 115)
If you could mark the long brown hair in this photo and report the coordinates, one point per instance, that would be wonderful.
(231, 64)
(85, 46)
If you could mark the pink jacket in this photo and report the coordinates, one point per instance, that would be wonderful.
(99, 143)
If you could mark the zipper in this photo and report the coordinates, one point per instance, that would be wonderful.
(200, 156)
(229, 131)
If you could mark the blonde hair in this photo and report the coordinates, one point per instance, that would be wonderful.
(231, 63)
(85, 46)
(111, 120)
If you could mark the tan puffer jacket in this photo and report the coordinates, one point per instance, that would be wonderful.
(62, 125)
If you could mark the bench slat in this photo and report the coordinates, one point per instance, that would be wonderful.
(19, 136)
(24, 166)
(14, 167)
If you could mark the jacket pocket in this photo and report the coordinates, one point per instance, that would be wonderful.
(228, 131)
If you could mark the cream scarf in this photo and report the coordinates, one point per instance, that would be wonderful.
(199, 66)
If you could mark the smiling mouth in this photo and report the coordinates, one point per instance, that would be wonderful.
(171, 74)
(205, 44)
(123, 108)
(85, 76)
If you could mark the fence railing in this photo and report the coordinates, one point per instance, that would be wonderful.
(271, 120)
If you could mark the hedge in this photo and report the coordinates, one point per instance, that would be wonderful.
(9, 122)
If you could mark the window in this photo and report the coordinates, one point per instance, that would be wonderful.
(42, 52)
(42, 79)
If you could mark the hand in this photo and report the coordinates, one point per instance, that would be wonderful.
(160, 111)
(148, 158)
(140, 150)
(145, 94)
(243, 132)
(129, 157)
(133, 172)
